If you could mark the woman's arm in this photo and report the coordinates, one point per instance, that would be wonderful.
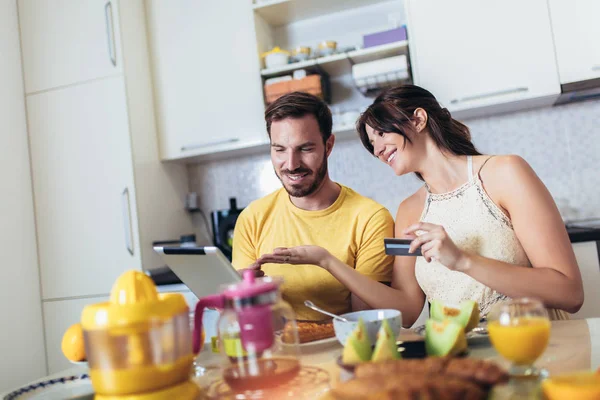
(404, 294)
(555, 278)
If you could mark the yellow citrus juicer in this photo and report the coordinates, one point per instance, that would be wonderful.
(139, 344)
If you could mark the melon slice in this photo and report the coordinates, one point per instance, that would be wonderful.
(385, 347)
(465, 314)
(358, 347)
(446, 338)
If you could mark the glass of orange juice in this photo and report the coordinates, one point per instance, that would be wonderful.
(519, 330)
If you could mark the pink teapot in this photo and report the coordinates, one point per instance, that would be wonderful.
(257, 332)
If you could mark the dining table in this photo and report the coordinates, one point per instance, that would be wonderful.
(574, 346)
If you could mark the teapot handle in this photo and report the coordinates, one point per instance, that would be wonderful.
(216, 301)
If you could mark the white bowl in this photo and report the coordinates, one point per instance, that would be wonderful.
(276, 59)
(373, 320)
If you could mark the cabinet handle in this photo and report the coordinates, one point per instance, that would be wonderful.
(110, 33)
(491, 94)
(216, 142)
(596, 67)
(127, 221)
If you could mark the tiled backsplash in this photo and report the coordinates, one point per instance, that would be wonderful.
(562, 144)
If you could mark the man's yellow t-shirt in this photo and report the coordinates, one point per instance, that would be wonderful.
(352, 229)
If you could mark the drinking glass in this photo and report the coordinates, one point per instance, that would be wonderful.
(519, 330)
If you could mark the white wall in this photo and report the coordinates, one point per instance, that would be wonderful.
(22, 355)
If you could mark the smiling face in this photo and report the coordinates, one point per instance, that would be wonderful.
(390, 148)
(400, 153)
(299, 155)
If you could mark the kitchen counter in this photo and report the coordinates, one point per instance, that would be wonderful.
(574, 345)
(579, 234)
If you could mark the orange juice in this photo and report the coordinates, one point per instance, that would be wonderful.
(522, 341)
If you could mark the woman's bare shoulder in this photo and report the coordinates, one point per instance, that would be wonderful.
(410, 209)
(502, 169)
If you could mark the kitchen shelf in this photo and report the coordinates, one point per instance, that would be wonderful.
(342, 132)
(328, 63)
(284, 12)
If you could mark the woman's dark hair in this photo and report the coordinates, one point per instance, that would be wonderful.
(297, 105)
(393, 110)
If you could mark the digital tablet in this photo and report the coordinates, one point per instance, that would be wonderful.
(203, 269)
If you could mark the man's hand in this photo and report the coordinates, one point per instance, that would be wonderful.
(313, 255)
(253, 267)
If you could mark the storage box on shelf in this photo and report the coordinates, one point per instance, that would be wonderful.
(315, 84)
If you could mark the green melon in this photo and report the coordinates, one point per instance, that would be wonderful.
(358, 347)
(466, 314)
(446, 338)
(385, 347)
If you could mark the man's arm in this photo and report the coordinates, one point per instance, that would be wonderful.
(244, 249)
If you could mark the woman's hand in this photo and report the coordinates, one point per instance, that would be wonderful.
(313, 255)
(436, 245)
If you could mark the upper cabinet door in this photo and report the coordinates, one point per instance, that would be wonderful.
(478, 55)
(83, 185)
(576, 29)
(68, 41)
(206, 76)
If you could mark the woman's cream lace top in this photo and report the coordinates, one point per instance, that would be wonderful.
(475, 224)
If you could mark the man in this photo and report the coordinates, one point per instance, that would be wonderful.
(311, 209)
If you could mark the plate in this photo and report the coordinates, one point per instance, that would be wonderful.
(321, 342)
(477, 336)
(64, 388)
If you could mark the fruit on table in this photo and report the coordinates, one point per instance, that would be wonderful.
(444, 338)
(72, 344)
(385, 347)
(465, 314)
(358, 346)
(576, 385)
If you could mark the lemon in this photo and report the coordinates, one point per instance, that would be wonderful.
(72, 343)
(577, 385)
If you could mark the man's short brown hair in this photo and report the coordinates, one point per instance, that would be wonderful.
(297, 105)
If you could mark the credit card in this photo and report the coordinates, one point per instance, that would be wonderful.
(399, 247)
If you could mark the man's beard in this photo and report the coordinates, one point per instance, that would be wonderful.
(305, 191)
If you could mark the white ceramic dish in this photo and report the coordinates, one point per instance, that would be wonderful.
(316, 343)
(373, 320)
(64, 388)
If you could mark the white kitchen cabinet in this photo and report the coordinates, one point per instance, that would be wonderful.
(21, 337)
(576, 33)
(102, 196)
(483, 57)
(58, 316)
(68, 41)
(587, 254)
(206, 76)
(84, 187)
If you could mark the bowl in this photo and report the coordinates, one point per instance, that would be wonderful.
(276, 57)
(372, 319)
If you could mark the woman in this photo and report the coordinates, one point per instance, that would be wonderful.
(487, 226)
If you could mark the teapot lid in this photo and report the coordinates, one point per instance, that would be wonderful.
(251, 287)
